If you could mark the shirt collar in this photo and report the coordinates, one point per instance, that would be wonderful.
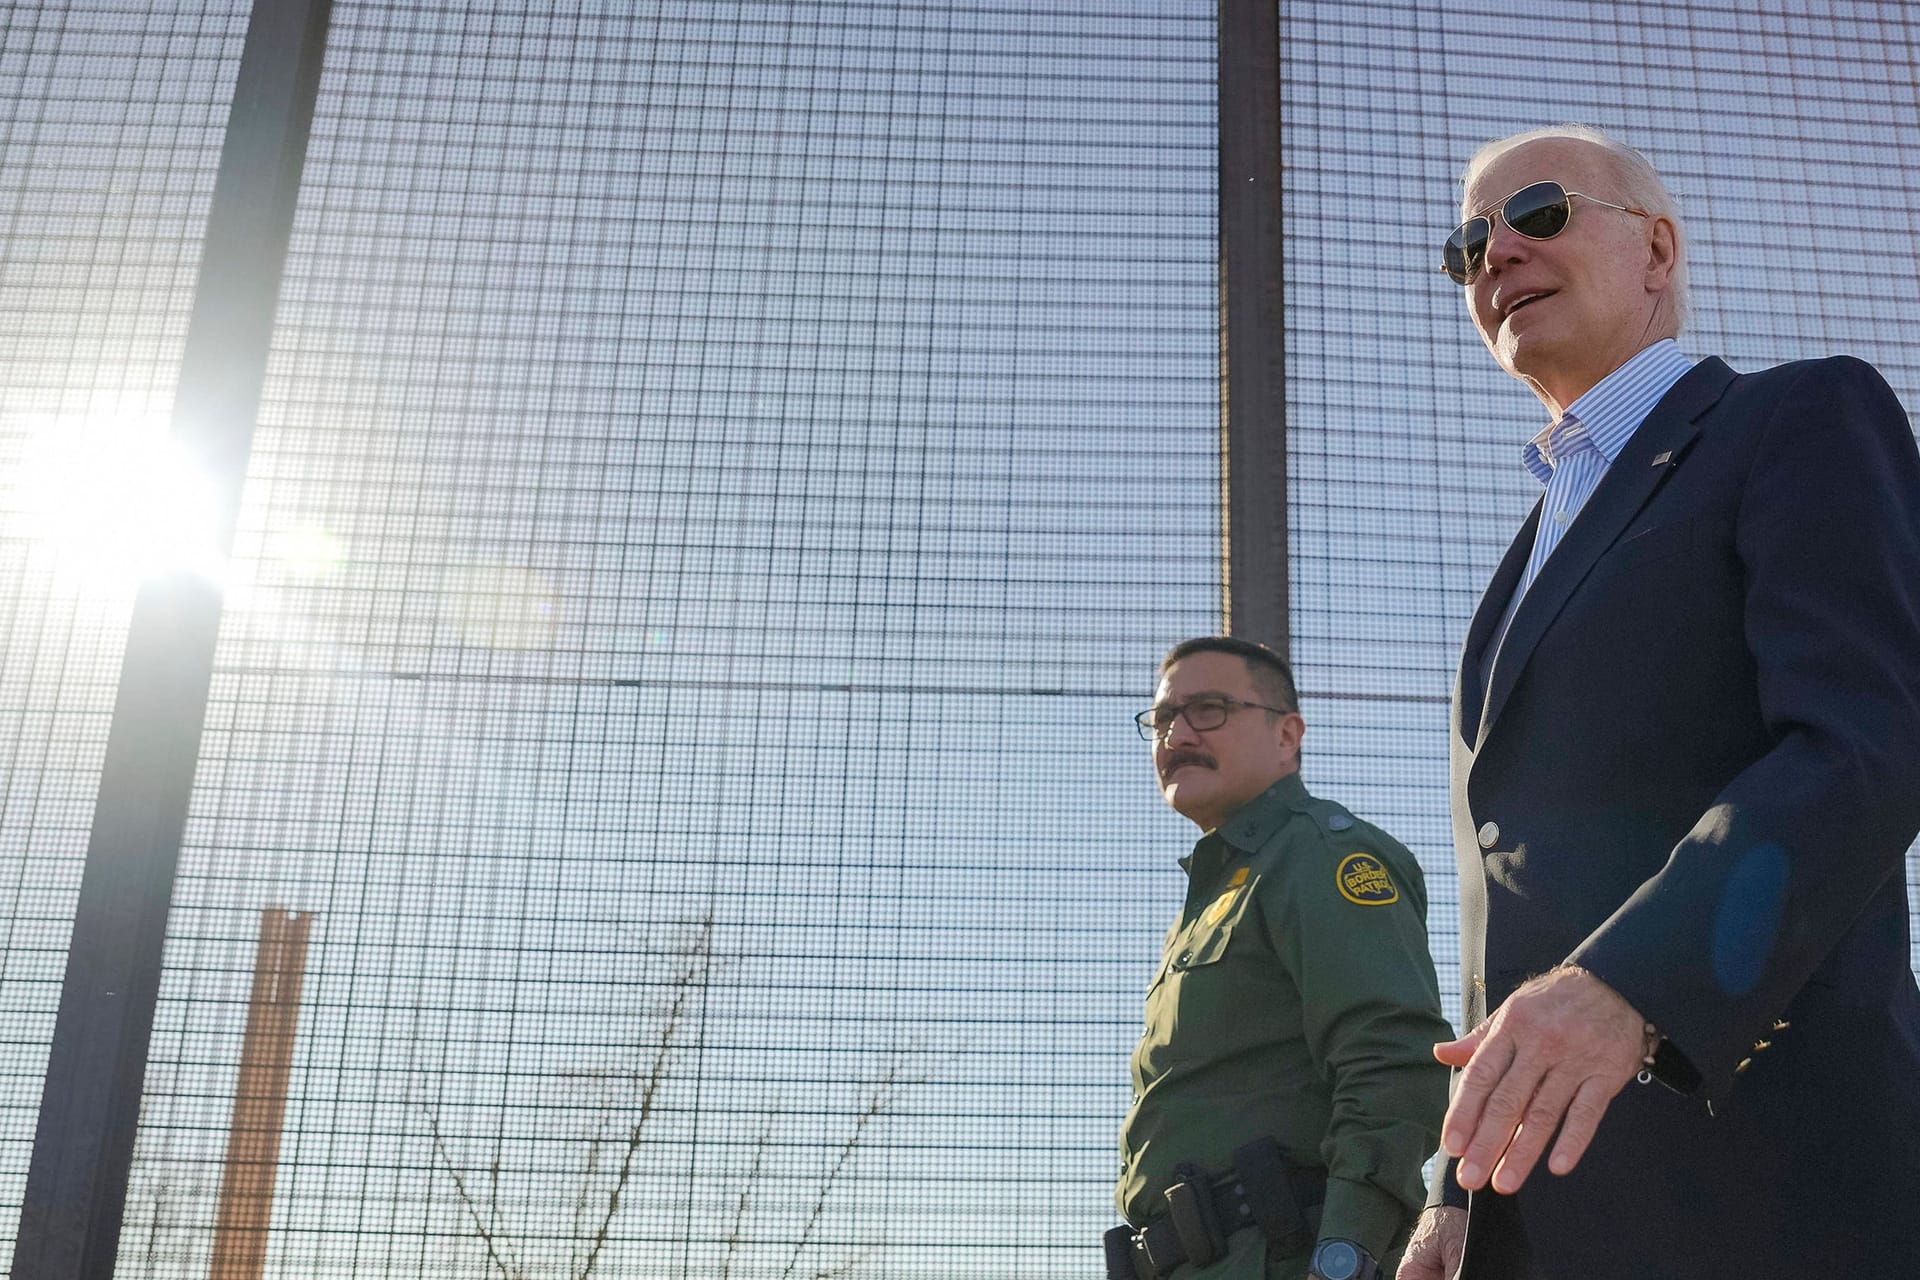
(1254, 822)
(1610, 411)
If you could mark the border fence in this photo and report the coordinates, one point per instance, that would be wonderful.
(650, 563)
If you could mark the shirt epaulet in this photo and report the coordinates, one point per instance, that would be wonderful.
(1330, 816)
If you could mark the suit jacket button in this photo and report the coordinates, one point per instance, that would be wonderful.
(1489, 834)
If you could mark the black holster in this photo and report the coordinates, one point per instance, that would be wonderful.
(1269, 1188)
(1261, 1189)
(1118, 1244)
(1190, 1209)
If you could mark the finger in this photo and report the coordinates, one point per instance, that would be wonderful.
(1425, 1259)
(1499, 1118)
(1457, 1053)
(1421, 1264)
(1490, 1061)
(1452, 1233)
(1542, 1117)
(1583, 1120)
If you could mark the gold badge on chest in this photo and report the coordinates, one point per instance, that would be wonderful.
(1218, 909)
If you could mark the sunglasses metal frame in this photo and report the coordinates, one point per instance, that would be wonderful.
(1476, 261)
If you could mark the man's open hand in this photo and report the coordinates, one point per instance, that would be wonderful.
(1554, 1053)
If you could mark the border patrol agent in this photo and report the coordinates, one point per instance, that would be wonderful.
(1285, 1090)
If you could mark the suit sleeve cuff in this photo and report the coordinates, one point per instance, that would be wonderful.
(1364, 1214)
(1446, 1190)
(1671, 1066)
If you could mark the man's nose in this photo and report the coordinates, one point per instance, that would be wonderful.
(1505, 246)
(1179, 732)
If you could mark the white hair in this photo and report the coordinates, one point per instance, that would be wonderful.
(1640, 185)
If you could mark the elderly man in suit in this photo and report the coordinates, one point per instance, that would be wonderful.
(1686, 768)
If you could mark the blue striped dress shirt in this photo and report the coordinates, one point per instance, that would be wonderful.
(1571, 455)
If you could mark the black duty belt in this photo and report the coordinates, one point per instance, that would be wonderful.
(1262, 1189)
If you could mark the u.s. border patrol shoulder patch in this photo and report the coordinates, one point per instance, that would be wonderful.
(1363, 878)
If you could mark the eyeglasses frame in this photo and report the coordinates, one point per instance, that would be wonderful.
(1151, 734)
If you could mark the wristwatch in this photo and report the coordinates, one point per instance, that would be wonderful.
(1337, 1259)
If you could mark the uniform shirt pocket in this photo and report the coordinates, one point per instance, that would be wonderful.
(1212, 933)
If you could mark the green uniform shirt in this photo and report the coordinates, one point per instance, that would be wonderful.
(1295, 998)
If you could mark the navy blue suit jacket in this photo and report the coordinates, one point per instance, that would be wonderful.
(1694, 769)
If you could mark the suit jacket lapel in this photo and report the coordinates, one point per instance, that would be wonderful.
(1470, 691)
(1629, 482)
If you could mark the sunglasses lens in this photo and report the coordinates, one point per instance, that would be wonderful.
(1538, 212)
(1460, 256)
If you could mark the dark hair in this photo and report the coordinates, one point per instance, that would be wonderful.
(1272, 677)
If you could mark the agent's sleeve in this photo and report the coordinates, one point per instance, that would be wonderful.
(1349, 925)
(1773, 875)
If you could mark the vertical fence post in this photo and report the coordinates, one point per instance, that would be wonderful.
(260, 1098)
(90, 1104)
(1253, 366)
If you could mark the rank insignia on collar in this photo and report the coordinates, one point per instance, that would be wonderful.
(1363, 879)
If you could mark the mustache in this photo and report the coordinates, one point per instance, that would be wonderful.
(1176, 759)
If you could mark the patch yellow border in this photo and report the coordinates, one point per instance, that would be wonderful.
(1362, 878)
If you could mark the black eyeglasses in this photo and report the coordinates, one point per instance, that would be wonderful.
(1538, 212)
(1208, 711)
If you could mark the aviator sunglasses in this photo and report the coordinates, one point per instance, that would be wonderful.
(1538, 212)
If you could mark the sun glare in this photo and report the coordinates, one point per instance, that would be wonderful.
(110, 502)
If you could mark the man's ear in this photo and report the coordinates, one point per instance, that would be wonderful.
(1663, 253)
(1289, 730)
